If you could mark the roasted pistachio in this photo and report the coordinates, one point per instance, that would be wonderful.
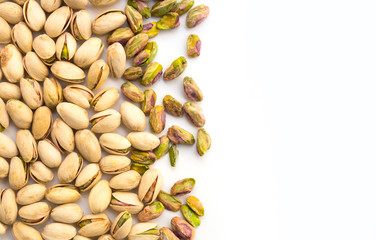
(9, 91)
(102, 3)
(170, 202)
(182, 229)
(31, 92)
(150, 29)
(141, 7)
(151, 212)
(149, 101)
(88, 177)
(169, 21)
(173, 154)
(66, 47)
(105, 121)
(20, 113)
(147, 55)
(132, 117)
(45, 48)
(190, 216)
(76, 117)
(68, 72)
(131, 91)
(143, 157)
(22, 231)
(40, 173)
(114, 143)
(126, 201)
(67, 213)
(62, 136)
(53, 231)
(163, 147)
(150, 185)
(58, 22)
(4, 31)
(203, 141)
(146, 230)
(4, 118)
(183, 186)
(50, 5)
(88, 52)
(78, 95)
(178, 135)
(11, 63)
(52, 92)
(22, 37)
(31, 194)
(8, 206)
(116, 60)
(191, 89)
(11, 12)
(122, 225)
(93, 225)
(136, 44)
(196, 205)
(143, 141)
(26, 146)
(4, 168)
(197, 15)
(120, 35)
(81, 25)
(133, 73)
(157, 119)
(100, 197)
(194, 113)
(108, 21)
(173, 106)
(125, 181)
(35, 213)
(35, 67)
(88, 145)
(140, 168)
(152, 74)
(193, 46)
(49, 153)
(70, 168)
(114, 164)
(105, 99)
(97, 75)
(18, 173)
(34, 15)
(77, 4)
(42, 123)
(176, 68)
(134, 18)
(63, 193)
(8, 148)
(167, 234)
(163, 7)
(183, 6)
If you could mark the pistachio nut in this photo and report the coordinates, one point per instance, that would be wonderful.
(31, 194)
(58, 21)
(143, 157)
(152, 74)
(88, 177)
(105, 99)
(125, 181)
(151, 184)
(34, 15)
(4, 118)
(42, 123)
(97, 75)
(133, 73)
(143, 141)
(26, 145)
(190, 216)
(120, 35)
(114, 143)
(100, 197)
(169, 21)
(8, 206)
(149, 101)
(78, 95)
(67, 213)
(106, 121)
(22, 231)
(157, 119)
(108, 21)
(116, 59)
(52, 92)
(163, 7)
(131, 91)
(77, 4)
(76, 117)
(88, 52)
(136, 44)
(162, 149)
(183, 6)
(35, 213)
(40, 173)
(176, 68)
(173, 106)
(191, 89)
(203, 141)
(146, 230)
(193, 46)
(45, 48)
(183, 186)
(4, 32)
(66, 47)
(197, 15)
(88, 145)
(58, 231)
(182, 229)
(140, 168)
(122, 225)
(102, 3)
(9, 91)
(141, 7)
(11, 63)
(134, 18)
(126, 201)
(106, 236)
(31, 92)
(150, 29)
(8, 148)
(114, 164)
(4, 168)
(146, 56)
(93, 225)
(194, 113)
(169, 202)
(49, 154)
(79, 237)
(18, 173)
(35, 67)
(167, 234)
(173, 154)
(20, 113)
(178, 135)
(63, 193)
(22, 37)
(68, 72)
(50, 5)
(151, 212)
(70, 168)
(11, 12)
(62, 136)
(81, 25)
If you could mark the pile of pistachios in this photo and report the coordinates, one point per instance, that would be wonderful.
(45, 45)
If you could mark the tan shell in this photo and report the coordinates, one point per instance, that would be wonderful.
(26, 145)
(45, 48)
(8, 148)
(31, 92)
(100, 197)
(143, 141)
(52, 92)
(34, 15)
(20, 113)
(105, 99)
(116, 59)
(88, 145)
(102, 3)
(76, 117)
(4, 168)
(31, 194)
(40, 173)
(35, 67)
(150, 185)
(11, 63)
(97, 75)
(67, 213)
(8, 206)
(18, 173)
(11, 12)
(88, 52)
(131, 202)
(100, 226)
(4, 31)
(114, 143)
(79, 237)
(49, 153)
(68, 41)
(58, 21)
(81, 25)
(123, 231)
(35, 213)
(106, 237)
(58, 231)
(113, 164)
(63, 193)
(125, 181)
(132, 117)
(62, 136)
(42, 123)
(108, 21)
(50, 5)
(4, 118)
(88, 177)
(9, 91)
(70, 168)
(105, 121)
(22, 231)
(68, 72)
(140, 228)
(77, 4)
(22, 37)
(79, 95)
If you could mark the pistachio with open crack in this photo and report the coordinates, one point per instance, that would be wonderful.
(35, 213)
(126, 201)
(81, 25)
(114, 164)
(45, 48)
(151, 184)
(93, 225)
(4, 168)
(97, 74)
(18, 173)
(88, 177)
(31, 92)
(52, 92)
(62, 136)
(22, 37)
(78, 95)
(66, 47)
(34, 15)
(63, 193)
(106, 121)
(114, 143)
(121, 226)
(26, 145)
(147, 230)
(105, 99)
(35, 67)
(58, 21)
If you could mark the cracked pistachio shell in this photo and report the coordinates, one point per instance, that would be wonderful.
(190, 216)
(31, 194)
(70, 168)
(68, 72)
(143, 157)
(120, 35)
(52, 92)
(126, 201)
(8, 206)
(67, 213)
(193, 46)
(88, 177)
(147, 55)
(102, 3)
(97, 75)
(58, 21)
(203, 141)
(76, 117)
(167, 234)
(9, 91)
(106, 121)
(196, 205)
(143, 141)
(35, 67)
(78, 95)
(179, 135)
(88, 146)
(50, 5)
(88, 52)
(45, 48)
(121, 226)
(35, 213)
(151, 212)
(150, 185)
(131, 91)
(125, 181)
(26, 146)
(4, 168)
(176, 68)
(169, 202)
(93, 225)
(149, 101)
(157, 119)
(22, 37)
(4, 118)
(169, 21)
(20, 113)
(4, 31)
(136, 44)
(106, 237)
(61, 231)
(31, 92)
(197, 15)
(153, 73)
(108, 21)
(18, 173)
(140, 168)
(191, 89)
(163, 7)
(144, 231)
(134, 18)
(183, 6)
(34, 15)
(81, 25)
(42, 123)
(116, 60)
(105, 99)
(150, 29)
(66, 47)
(183, 186)
(11, 63)
(49, 154)
(62, 136)
(173, 154)
(77, 4)
(194, 113)
(182, 229)
(22, 231)
(133, 73)
(114, 143)
(173, 106)
(11, 12)
(8, 148)
(141, 7)
(162, 149)
(113, 164)
(63, 193)
(100, 197)
(40, 173)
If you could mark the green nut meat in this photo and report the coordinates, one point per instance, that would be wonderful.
(141, 7)
(193, 46)
(132, 92)
(151, 212)
(203, 141)
(163, 7)
(157, 119)
(150, 29)
(136, 44)
(183, 6)
(196, 205)
(147, 55)
(140, 168)
(134, 18)
(133, 73)
(169, 21)
(194, 113)
(176, 68)
(143, 157)
(149, 101)
(169, 202)
(190, 216)
(174, 154)
(173, 106)
(197, 15)
(191, 89)
(183, 186)
(152, 74)
(120, 35)
(162, 149)
(178, 135)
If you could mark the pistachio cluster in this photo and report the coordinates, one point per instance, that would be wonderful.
(65, 47)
